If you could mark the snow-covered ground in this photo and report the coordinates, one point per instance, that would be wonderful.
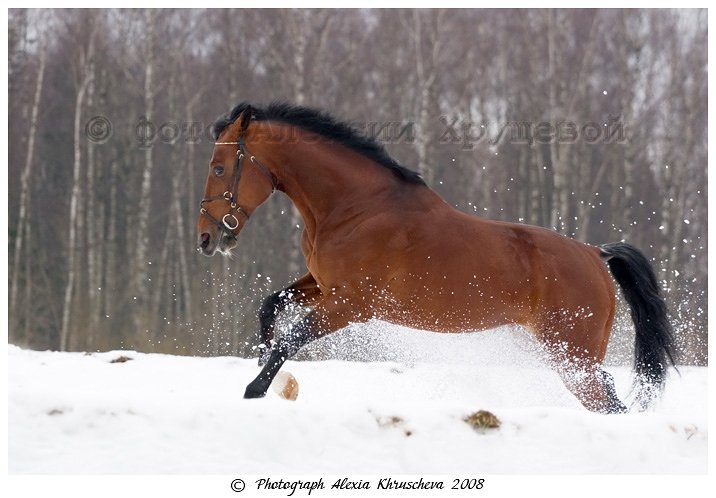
(81, 413)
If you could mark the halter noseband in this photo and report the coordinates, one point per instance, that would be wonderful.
(229, 222)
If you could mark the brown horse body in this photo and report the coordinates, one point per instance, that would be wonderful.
(380, 244)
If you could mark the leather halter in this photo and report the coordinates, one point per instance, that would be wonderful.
(229, 222)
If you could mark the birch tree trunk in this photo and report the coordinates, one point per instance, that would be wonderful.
(94, 228)
(559, 200)
(111, 289)
(75, 204)
(142, 234)
(299, 33)
(426, 75)
(22, 233)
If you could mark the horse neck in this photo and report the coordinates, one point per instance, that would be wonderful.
(323, 178)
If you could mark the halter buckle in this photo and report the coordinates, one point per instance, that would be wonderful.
(226, 223)
(228, 196)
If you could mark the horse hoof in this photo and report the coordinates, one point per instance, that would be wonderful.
(286, 386)
(618, 407)
(614, 407)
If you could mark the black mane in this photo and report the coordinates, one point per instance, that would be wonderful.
(325, 125)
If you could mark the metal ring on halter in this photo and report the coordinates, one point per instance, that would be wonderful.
(226, 224)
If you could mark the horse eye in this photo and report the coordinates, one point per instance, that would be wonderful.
(219, 170)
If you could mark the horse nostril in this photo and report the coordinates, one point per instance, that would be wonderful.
(205, 239)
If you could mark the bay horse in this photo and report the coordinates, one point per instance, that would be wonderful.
(379, 243)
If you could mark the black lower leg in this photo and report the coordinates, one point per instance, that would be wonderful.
(616, 406)
(287, 346)
(258, 387)
(272, 306)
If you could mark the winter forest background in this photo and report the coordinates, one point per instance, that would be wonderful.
(590, 122)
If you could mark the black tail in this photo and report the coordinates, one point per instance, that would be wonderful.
(654, 343)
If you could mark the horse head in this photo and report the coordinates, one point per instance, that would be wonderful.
(232, 192)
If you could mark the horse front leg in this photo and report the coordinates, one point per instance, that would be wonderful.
(320, 322)
(302, 292)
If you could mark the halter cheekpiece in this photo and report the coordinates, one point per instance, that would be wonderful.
(229, 222)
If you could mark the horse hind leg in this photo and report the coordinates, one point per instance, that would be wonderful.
(616, 405)
(593, 387)
(579, 367)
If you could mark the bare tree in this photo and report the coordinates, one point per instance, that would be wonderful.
(139, 273)
(427, 40)
(86, 76)
(22, 233)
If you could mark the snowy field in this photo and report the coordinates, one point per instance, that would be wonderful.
(157, 414)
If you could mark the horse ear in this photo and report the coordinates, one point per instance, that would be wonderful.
(245, 118)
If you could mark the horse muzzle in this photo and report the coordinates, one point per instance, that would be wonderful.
(209, 243)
